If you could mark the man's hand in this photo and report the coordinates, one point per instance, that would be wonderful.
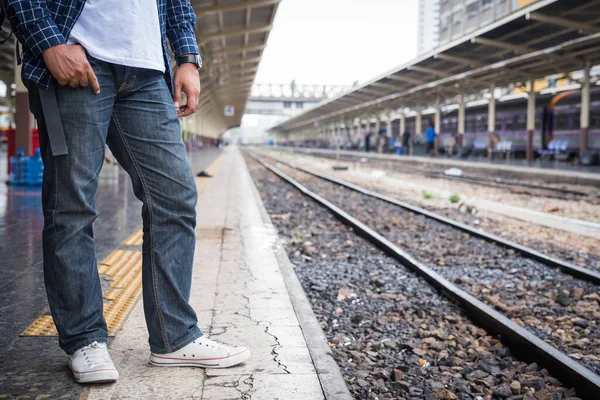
(69, 65)
(187, 80)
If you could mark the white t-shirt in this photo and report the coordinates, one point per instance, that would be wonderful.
(121, 32)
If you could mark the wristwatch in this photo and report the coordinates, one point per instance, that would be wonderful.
(191, 58)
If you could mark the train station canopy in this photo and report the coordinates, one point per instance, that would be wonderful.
(548, 37)
(232, 35)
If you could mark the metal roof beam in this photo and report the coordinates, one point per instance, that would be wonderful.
(203, 11)
(226, 52)
(563, 22)
(247, 36)
(241, 69)
(428, 71)
(458, 60)
(348, 101)
(406, 79)
(237, 62)
(519, 49)
(527, 28)
(371, 91)
(357, 94)
(221, 26)
(235, 85)
(385, 85)
(234, 32)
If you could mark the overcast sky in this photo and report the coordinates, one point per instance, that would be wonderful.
(338, 41)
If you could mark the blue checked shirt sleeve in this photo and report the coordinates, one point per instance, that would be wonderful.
(33, 24)
(181, 21)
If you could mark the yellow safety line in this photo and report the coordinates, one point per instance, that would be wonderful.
(203, 182)
(123, 269)
(215, 165)
(135, 239)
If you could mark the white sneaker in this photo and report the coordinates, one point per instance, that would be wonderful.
(203, 353)
(92, 364)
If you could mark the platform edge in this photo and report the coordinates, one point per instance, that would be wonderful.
(329, 374)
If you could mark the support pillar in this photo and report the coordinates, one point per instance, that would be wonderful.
(418, 127)
(585, 110)
(350, 133)
(390, 133)
(378, 138)
(418, 130)
(23, 118)
(530, 120)
(438, 127)
(402, 123)
(462, 107)
(338, 141)
(347, 134)
(405, 151)
(491, 121)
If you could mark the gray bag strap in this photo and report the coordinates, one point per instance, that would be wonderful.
(56, 133)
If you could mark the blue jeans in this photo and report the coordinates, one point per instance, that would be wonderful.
(134, 114)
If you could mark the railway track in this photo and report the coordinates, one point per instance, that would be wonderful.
(527, 338)
(512, 185)
(569, 268)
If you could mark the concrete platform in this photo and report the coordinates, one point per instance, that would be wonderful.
(547, 173)
(245, 292)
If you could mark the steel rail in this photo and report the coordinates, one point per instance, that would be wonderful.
(564, 266)
(507, 183)
(523, 343)
(478, 180)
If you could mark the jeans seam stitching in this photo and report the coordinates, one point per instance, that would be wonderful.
(151, 212)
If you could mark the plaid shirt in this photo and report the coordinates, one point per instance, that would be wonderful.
(40, 24)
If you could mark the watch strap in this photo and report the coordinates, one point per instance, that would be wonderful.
(190, 58)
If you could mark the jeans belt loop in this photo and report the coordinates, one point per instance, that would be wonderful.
(56, 133)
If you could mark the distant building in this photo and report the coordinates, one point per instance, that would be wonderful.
(461, 17)
(429, 21)
(271, 104)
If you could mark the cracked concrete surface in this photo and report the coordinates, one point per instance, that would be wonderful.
(240, 296)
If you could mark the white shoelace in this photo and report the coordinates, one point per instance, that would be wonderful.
(95, 354)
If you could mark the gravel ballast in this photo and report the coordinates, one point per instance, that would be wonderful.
(553, 305)
(391, 333)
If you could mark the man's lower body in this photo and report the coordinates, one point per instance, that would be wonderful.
(134, 114)
(430, 147)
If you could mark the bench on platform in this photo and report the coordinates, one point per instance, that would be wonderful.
(504, 147)
(479, 147)
(557, 149)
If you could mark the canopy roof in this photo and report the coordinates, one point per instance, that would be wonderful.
(547, 37)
